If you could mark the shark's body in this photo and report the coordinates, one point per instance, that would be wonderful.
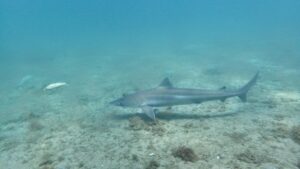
(166, 95)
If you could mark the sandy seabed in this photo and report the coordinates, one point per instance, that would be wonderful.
(74, 127)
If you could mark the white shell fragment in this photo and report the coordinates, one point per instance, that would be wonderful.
(151, 154)
(55, 85)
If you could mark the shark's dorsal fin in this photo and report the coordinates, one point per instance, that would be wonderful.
(165, 83)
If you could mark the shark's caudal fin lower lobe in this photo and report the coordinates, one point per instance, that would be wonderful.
(244, 90)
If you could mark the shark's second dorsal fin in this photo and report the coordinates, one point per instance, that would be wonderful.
(125, 94)
(165, 83)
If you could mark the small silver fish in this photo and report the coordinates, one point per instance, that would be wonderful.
(55, 85)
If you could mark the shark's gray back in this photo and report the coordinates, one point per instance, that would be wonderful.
(175, 96)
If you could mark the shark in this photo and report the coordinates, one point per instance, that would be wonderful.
(166, 95)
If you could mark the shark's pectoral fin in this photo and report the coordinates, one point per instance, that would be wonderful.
(149, 111)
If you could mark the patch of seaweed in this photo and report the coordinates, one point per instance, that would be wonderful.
(134, 157)
(24, 117)
(137, 123)
(156, 129)
(237, 137)
(152, 165)
(185, 153)
(2, 138)
(212, 71)
(86, 99)
(250, 157)
(271, 104)
(35, 125)
(281, 131)
(8, 144)
(81, 165)
(46, 161)
(295, 134)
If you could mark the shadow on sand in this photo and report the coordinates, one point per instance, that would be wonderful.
(173, 116)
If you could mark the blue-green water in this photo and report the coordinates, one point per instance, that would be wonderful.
(103, 49)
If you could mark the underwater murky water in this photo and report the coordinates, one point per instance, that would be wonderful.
(62, 62)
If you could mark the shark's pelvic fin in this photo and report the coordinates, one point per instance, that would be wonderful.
(166, 83)
(149, 111)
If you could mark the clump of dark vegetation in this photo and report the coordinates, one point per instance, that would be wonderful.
(237, 137)
(212, 71)
(249, 157)
(8, 144)
(35, 125)
(86, 99)
(134, 157)
(137, 123)
(281, 131)
(271, 104)
(295, 134)
(25, 117)
(185, 153)
(156, 129)
(46, 160)
(152, 165)
(81, 165)
(2, 138)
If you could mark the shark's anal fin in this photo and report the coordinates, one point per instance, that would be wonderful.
(149, 111)
(222, 88)
(165, 83)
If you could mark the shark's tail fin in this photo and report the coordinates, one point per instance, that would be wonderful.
(244, 90)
